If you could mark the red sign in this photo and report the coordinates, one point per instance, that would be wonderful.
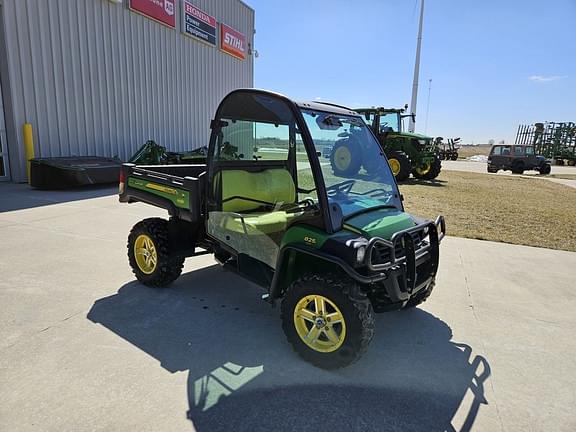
(232, 42)
(199, 24)
(163, 11)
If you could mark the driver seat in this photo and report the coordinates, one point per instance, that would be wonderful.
(248, 192)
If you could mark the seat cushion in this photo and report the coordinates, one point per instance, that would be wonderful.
(273, 186)
(260, 223)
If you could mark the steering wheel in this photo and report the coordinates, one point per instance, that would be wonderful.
(307, 203)
(340, 188)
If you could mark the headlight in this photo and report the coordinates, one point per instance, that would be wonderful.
(360, 254)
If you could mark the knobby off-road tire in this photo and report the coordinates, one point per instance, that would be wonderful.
(545, 169)
(149, 253)
(341, 295)
(344, 159)
(400, 164)
(431, 173)
(420, 297)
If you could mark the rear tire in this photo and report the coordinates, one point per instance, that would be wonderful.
(430, 174)
(344, 160)
(149, 253)
(492, 170)
(331, 344)
(400, 164)
(571, 162)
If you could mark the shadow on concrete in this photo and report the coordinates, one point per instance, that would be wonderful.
(21, 196)
(243, 375)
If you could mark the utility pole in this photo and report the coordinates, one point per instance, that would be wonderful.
(414, 100)
(428, 106)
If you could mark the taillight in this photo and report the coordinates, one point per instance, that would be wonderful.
(121, 181)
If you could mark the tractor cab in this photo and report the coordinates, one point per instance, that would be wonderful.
(407, 152)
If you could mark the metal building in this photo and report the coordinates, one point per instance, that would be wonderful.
(100, 77)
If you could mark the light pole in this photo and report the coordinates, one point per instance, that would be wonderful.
(414, 101)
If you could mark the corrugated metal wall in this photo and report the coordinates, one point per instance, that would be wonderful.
(94, 78)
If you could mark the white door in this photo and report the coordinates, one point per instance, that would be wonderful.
(4, 170)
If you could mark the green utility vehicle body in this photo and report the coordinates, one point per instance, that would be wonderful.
(407, 152)
(273, 212)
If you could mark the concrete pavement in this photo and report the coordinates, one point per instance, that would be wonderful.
(85, 347)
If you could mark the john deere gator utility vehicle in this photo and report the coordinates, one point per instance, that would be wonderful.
(331, 248)
(406, 152)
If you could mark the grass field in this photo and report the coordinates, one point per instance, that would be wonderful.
(467, 151)
(498, 208)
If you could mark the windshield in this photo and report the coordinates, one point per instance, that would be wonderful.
(390, 122)
(355, 171)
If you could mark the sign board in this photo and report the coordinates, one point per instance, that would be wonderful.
(163, 11)
(232, 42)
(199, 24)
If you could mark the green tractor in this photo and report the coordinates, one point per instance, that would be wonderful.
(406, 152)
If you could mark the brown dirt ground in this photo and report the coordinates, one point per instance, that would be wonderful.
(498, 208)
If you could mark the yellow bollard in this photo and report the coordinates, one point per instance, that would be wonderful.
(28, 146)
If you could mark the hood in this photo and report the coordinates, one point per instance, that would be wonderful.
(411, 135)
(380, 223)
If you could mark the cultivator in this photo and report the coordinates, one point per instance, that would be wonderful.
(449, 150)
(556, 141)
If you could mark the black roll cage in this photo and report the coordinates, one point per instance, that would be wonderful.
(330, 224)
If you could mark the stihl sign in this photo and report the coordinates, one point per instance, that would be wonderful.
(232, 42)
(159, 10)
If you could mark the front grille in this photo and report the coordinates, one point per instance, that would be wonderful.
(381, 253)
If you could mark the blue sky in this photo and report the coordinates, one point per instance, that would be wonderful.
(493, 64)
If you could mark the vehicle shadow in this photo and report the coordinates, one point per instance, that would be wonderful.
(432, 183)
(243, 374)
(21, 196)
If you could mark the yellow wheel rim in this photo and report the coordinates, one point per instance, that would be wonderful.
(342, 158)
(319, 323)
(394, 166)
(424, 168)
(145, 253)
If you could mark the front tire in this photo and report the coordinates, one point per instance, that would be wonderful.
(430, 171)
(328, 320)
(149, 253)
(545, 169)
(420, 297)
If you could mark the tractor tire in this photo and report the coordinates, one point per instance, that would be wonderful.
(400, 164)
(420, 297)
(545, 169)
(429, 173)
(344, 160)
(149, 253)
(518, 167)
(309, 310)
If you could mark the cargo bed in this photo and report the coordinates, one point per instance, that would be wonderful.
(177, 188)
